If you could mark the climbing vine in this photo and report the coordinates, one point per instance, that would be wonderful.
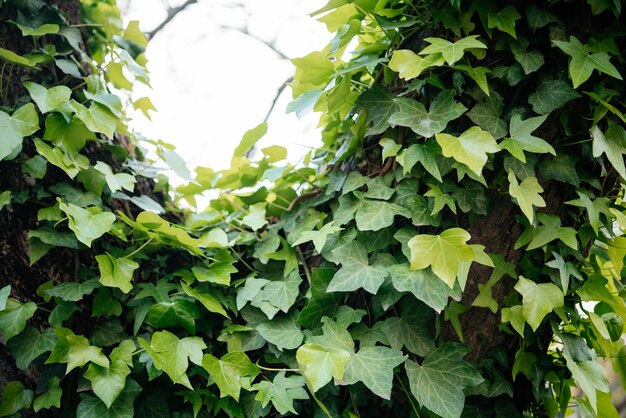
(454, 247)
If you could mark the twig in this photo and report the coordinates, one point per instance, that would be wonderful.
(171, 14)
(270, 45)
(276, 97)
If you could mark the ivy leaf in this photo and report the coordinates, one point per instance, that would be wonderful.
(527, 195)
(30, 344)
(283, 332)
(390, 148)
(566, 269)
(14, 128)
(108, 382)
(5, 292)
(15, 397)
(13, 318)
(255, 218)
(278, 295)
(470, 148)
(522, 139)
(413, 114)
(282, 391)
(538, 300)
(318, 237)
(319, 364)
(486, 114)
(374, 215)
(97, 118)
(413, 330)
(250, 138)
(177, 313)
(116, 181)
(71, 164)
(594, 208)
(613, 144)
(504, 20)
(51, 397)
(410, 65)
(206, 299)
(583, 61)
(355, 271)
(374, 367)
(452, 51)
(438, 382)
(379, 106)
(425, 154)
(172, 355)
(515, 316)
(478, 74)
(55, 98)
(530, 61)
(87, 225)
(123, 407)
(228, 371)
(442, 252)
(551, 95)
(116, 272)
(72, 291)
(81, 352)
(423, 284)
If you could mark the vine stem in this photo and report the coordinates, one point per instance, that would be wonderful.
(408, 395)
(307, 272)
(272, 369)
(141, 247)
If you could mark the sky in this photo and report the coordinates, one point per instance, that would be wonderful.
(211, 84)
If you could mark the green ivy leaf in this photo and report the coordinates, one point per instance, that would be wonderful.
(410, 65)
(613, 144)
(438, 382)
(584, 61)
(228, 371)
(423, 284)
(55, 98)
(278, 295)
(319, 364)
(15, 397)
(470, 148)
(355, 271)
(5, 292)
(374, 215)
(116, 181)
(442, 252)
(594, 208)
(527, 194)
(424, 122)
(282, 391)
(177, 313)
(551, 95)
(425, 154)
(530, 61)
(51, 397)
(452, 51)
(255, 218)
(81, 352)
(72, 164)
(504, 20)
(108, 382)
(72, 291)
(413, 329)
(522, 139)
(486, 114)
(538, 300)
(14, 128)
(211, 303)
(250, 138)
(318, 237)
(172, 355)
(283, 332)
(14, 58)
(13, 318)
(374, 367)
(123, 407)
(379, 106)
(97, 118)
(116, 272)
(88, 225)
(30, 344)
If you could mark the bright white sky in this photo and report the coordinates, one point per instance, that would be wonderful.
(210, 85)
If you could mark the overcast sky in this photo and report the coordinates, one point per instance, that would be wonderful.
(211, 84)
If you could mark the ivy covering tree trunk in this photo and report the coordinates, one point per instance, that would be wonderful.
(454, 248)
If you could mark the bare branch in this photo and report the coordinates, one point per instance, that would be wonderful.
(171, 14)
(276, 97)
(270, 44)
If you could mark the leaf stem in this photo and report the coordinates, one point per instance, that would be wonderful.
(141, 247)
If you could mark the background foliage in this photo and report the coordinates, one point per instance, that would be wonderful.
(454, 248)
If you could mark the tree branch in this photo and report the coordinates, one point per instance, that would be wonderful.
(276, 97)
(270, 45)
(171, 14)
